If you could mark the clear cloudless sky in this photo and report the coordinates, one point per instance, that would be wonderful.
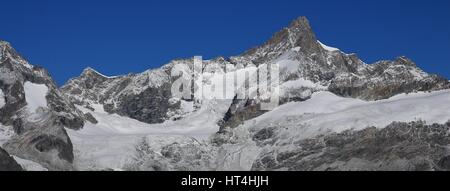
(122, 36)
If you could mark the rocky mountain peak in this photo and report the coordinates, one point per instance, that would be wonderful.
(403, 60)
(92, 73)
(298, 35)
(300, 22)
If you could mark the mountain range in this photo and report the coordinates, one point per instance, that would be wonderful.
(336, 112)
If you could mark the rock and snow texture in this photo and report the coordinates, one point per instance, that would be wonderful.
(143, 96)
(285, 137)
(326, 112)
(413, 146)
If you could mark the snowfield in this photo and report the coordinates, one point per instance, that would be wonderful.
(326, 112)
(35, 96)
(110, 144)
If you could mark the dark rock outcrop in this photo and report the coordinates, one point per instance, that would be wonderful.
(7, 163)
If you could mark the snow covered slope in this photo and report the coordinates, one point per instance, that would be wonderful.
(326, 112)
(110, 144)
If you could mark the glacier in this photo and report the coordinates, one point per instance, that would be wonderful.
(110, 143)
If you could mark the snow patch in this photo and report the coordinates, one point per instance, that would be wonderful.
(296, 49)
(327, 48)
(35, 96)
(95, 71)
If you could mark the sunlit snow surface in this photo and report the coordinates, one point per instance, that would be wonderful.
(110, 143)
(35, 96)
(328, 48)
(326, 112)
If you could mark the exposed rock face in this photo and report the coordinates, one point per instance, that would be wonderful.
(45, 141)
(411, 146)
(89, 117)
(145, 96)
(7, 163)
(40, 131)
(385, 79)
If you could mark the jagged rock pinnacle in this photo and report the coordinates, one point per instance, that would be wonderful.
(403, 60)
(300, 22)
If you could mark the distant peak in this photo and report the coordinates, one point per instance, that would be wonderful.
(219, 59)
(298, 34)
(2, 43)
(403, 60)
(92, 71)
(88, 70)
(300, 22)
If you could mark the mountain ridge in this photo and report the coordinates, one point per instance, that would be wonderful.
(297, 42)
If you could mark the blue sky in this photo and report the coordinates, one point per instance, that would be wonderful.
(118, 37)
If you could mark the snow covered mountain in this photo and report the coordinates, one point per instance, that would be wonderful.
(302, 57)
(336, 113)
